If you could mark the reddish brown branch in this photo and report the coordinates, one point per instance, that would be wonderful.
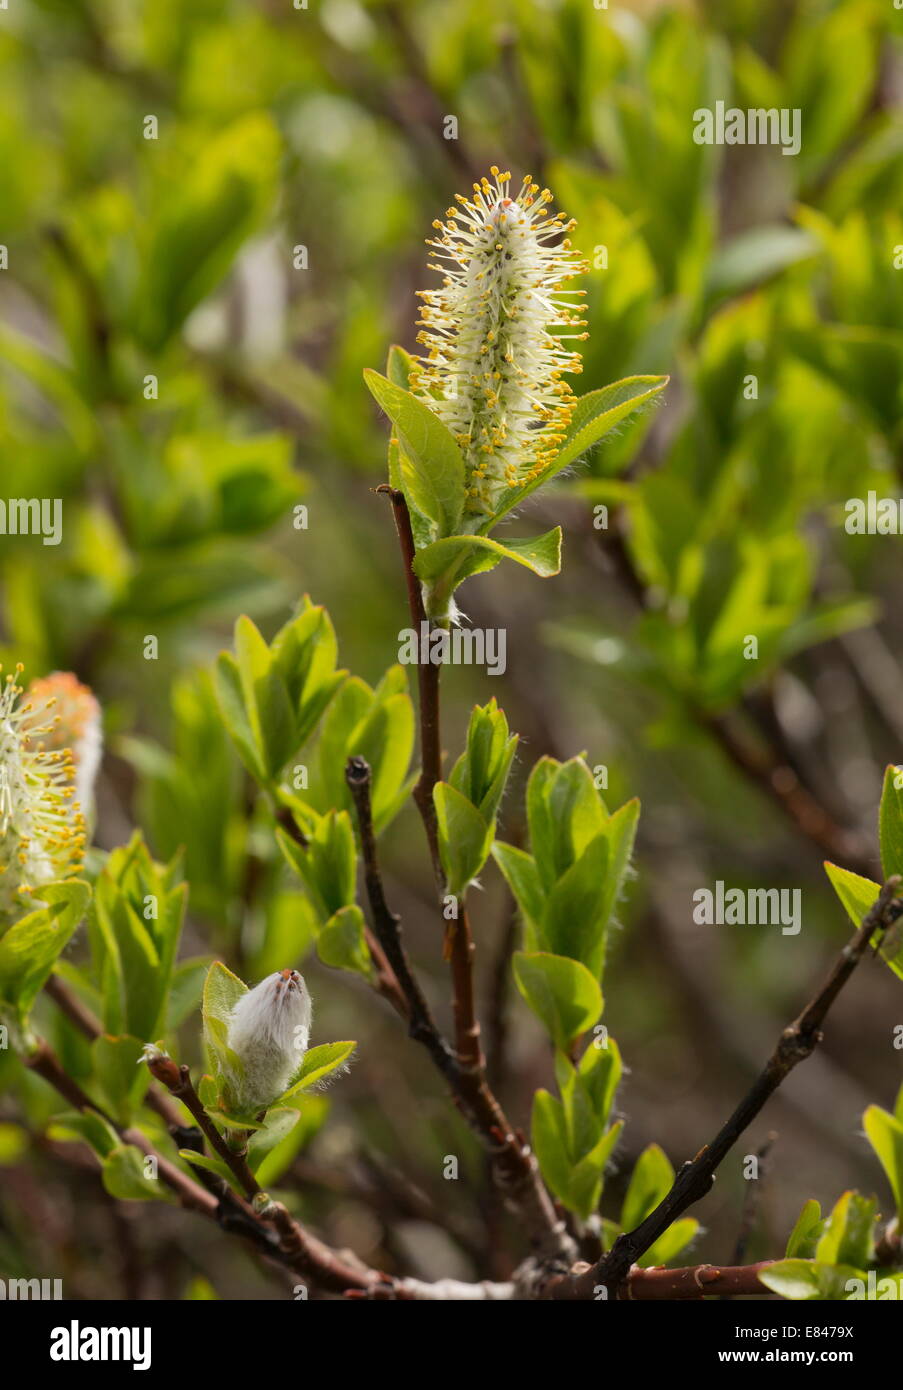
(290, 1245)
(698, 1281)
(178, 1082)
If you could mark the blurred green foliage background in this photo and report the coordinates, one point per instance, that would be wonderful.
(183, 324)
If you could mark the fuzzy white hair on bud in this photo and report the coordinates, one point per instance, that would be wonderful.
(495, 332)
(269, 1030)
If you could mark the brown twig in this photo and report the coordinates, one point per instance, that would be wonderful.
(177, 1080)
(79, 1014)
(293, 1246)
(697, 1281)
(695, 1179)
(44, 1062)
(513, 1162)
(387, 927)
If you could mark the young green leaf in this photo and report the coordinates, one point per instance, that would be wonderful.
(319, 1062)
(561, 992)
(807, 1232)
(885, 1134)
(431, 464)
(465, 838)
(342, 943)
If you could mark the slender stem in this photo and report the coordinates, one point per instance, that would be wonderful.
(513, 1162)
(387, 926)
(427, 687)
(45, 1063)
(178, 1082)
(292, 1245)
(461, 952)
(79, 1014)
(695, 1178)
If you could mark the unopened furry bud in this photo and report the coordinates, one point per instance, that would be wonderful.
(268, 1031)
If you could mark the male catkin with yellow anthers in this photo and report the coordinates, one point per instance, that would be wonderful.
(494, 359)
(42, 830)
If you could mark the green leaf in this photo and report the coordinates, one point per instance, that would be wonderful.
(890, 823)
(222, 991)
(84, 1126)
(465, 838)
(600, 1071)
(30, 947)
(312, 1111)
(651, 1180)
(885, 1134)
(848, 1234)
(561, 992)
(807, 1232)
(431, 464)
(207, 203)
(446, 563)
(548, 1132)
(211, 1164)
(280, 1122)
(794, 1279)
(398, 366)
(593, 417)
(342, 943)
(805, 1280)
(266, 699)
(305, 653)
(857, 894)
(573, 924)
(327, 865)
(134, 927)
(230, 697)
(482, 770)
(124, 1174)
(319, 1062)
(522, 877)
(670, 1243)
(564, 813)
(588, 1175)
